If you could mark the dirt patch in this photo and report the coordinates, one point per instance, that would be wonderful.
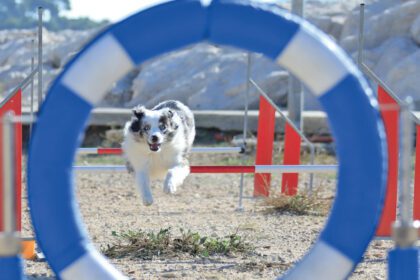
(206, 204)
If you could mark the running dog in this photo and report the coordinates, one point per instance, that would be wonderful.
(156, 143)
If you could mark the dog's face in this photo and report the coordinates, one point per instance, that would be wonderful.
(154, 127)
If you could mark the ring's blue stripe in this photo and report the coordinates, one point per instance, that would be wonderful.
(250, 27)
(11, 268)
(51, 196)
(404, 263)
(362, 172)
(162, 29)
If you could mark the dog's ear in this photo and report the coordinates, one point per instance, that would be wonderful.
(135, 125)
(139, 111)
(169, 114)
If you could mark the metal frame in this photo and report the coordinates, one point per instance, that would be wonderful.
(403, 259)
(290, 122)
(34, 70)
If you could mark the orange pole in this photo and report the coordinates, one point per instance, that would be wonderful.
(265, 141)
(292, 143)
(391, 122)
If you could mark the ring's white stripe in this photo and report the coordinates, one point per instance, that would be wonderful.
(91, 266)
(313, 59)
(97, 69)
(313, 265)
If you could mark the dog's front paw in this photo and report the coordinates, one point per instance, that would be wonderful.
(147, 201)
(169, 186)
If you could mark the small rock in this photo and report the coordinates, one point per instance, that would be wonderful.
(169, 275)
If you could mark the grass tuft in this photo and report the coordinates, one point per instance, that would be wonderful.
(147, 245)
(300, 204)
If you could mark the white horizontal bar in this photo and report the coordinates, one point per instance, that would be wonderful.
(194, 150)
(296, 168)
(215, 150)
(87, 151)
(100, 168)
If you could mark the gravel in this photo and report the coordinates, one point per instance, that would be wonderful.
(206, 204)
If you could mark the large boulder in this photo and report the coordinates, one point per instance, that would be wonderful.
(403, 78)
(16, 53)
(415, 30)
(211, 77)
(391, 52)
(207, 77)
(383, 20)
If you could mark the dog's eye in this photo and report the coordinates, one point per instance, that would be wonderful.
(162, 126)
(146, 128)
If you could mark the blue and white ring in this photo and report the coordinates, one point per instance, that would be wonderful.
(295, 44)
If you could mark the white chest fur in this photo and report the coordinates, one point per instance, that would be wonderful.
(156, 164)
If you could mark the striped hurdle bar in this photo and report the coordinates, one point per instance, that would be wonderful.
(194, 150)
(268, 169)
(263, 28)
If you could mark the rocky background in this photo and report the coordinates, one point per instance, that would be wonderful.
(212, 77)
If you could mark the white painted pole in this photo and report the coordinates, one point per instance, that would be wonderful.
(295, 88)
(40, 54)
(9, 237)
(32, 82)
(361, 35)
(245, 129)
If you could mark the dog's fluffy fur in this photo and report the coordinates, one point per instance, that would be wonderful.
(156, 143)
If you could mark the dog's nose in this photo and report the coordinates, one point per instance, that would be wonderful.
(154, 138)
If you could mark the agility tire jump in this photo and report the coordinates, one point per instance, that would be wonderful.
(294, 44)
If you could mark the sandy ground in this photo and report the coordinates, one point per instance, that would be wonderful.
(206, 204)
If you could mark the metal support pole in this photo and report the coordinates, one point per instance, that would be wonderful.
(404, 230)
(9, 238)
(245, 130)
(295, 88)
(361, 35)
(311, 161)
(406, 142)
(40, 97)
(32, 81)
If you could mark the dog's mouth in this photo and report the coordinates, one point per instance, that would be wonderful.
(154, 147)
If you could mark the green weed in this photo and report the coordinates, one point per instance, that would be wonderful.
(147, 245)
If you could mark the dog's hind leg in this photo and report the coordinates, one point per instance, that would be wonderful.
(143, 185)
(175, 177)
